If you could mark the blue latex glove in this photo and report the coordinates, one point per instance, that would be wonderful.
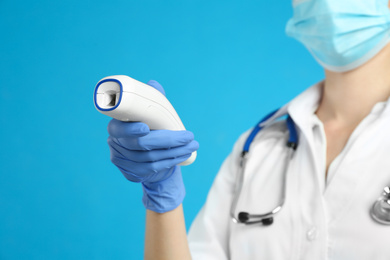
(151, 157)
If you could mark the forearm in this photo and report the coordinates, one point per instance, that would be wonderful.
(166, 236)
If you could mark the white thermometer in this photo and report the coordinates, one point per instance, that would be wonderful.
(127, 99)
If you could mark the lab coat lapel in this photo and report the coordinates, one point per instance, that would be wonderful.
(301, 110)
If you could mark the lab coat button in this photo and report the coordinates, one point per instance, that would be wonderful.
(312, 234)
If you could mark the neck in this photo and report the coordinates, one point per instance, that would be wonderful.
(348, 97)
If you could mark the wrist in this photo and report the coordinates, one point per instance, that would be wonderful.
(164, 195)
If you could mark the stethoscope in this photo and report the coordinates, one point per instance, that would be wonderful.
(380, 210)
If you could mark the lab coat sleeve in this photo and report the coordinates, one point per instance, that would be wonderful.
(209, 233)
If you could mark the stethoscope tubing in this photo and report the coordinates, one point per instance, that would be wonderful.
(267, 218)
(239, 185)
(380, 211)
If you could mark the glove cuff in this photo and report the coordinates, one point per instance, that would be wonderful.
(166, 195)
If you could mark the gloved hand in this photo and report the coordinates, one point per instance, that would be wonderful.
(151, 157)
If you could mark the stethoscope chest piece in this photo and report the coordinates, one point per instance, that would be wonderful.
(380, 211)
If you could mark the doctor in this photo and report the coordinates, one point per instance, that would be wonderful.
(338, 170)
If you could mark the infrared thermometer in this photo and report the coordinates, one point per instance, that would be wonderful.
(129, 100)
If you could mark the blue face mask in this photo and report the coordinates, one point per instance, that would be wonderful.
(341, 34)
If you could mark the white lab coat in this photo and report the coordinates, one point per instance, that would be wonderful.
(322, 218)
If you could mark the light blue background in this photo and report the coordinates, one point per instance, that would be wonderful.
(224, 64)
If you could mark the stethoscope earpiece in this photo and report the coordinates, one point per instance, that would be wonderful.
(243, 217)
(268, 221)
